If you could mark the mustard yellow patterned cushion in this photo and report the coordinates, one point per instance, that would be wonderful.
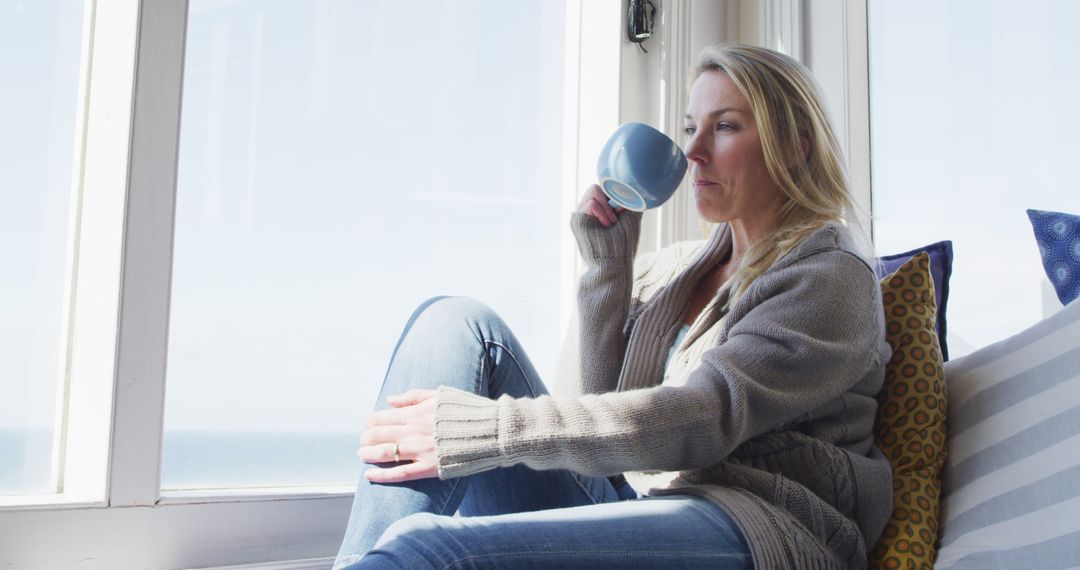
(910, 425)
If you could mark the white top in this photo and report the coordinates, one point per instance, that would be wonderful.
(675, 347)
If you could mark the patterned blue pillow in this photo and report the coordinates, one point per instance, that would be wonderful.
(1058, 236)
(941, 256)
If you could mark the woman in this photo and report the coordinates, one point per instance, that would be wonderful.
(731, 381)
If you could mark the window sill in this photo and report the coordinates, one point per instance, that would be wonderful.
(50, 501)
(187, 497)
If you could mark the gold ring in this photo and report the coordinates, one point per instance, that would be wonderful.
(397, 452)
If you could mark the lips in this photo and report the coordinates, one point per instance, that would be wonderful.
(703, 182)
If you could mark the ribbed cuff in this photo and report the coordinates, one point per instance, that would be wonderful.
(466, 433)
(598, 243)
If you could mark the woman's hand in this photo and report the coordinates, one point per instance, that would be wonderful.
(407, 428)
(595, 204)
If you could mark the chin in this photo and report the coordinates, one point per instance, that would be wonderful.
(710, 209)
(711, 215)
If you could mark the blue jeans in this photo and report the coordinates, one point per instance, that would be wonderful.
(515, 517)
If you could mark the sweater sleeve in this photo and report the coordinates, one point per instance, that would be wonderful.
(603, 302)
(812, 333)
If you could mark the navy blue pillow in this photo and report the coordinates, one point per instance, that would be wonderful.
(1058, 236)
(941, 256)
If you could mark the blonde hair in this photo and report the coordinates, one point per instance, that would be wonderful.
(786, 105)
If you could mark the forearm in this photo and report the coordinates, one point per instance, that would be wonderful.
(600, 434)
(604, 297)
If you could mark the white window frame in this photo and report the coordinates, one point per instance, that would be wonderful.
(837, 52)
(108, 511)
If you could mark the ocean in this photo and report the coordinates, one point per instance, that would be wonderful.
(204, 460)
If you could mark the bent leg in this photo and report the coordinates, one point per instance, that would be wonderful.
(656, 532)
(458, 342)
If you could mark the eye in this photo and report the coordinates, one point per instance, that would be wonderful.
(725, 127)
(689, 129)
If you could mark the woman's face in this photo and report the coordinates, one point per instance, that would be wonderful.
(727, 164)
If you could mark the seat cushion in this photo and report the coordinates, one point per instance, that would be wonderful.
(1012, 481)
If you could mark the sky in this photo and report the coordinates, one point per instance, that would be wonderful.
(39, 68)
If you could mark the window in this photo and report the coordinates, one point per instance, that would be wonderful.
(341, 162)
(973, 121)
(140, 270)
(39, 58)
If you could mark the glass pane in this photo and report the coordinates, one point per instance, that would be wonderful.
(973, 121)
(341, 162)
(40, 43)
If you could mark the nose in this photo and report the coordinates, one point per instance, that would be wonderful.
(696, 150)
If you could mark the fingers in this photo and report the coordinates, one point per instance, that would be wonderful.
(407, 449)
(596, 204)
(386, 453)
(410, 398)
(380, 453)
(402, 436)
(603, 212)
(404, 472)
(407, 460)
(385, 434)
(407, 408)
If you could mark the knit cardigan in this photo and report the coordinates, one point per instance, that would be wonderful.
(767, 410)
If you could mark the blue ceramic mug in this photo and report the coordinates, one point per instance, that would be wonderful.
(640, 167)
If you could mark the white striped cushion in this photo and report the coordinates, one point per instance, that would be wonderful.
(1011, 496)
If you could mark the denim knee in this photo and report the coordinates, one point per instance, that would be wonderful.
(443, 313)
(410, 526)
(456, 309)
(413, 541)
